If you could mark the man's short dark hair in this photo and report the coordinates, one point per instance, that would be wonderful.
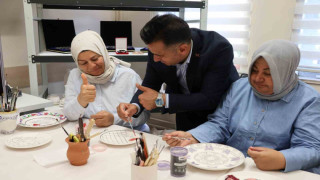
(168, 28)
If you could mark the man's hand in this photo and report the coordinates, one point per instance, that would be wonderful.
(126, 110)
(103, 118)
(267, 159)
(87, 92)
(179, 138)
(148, 97)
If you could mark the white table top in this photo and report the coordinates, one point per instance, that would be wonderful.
(29, 102)
(114, 163)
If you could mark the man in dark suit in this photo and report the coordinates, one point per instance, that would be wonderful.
(195, 65)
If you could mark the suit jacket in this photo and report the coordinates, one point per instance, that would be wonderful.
(209, 75)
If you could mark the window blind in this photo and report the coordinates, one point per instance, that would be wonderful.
(231, 19)
(306, 34)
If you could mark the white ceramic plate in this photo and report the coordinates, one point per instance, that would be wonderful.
(244, 175)
(41, 119)
(211, 156)
(118, 137)
(28, 140)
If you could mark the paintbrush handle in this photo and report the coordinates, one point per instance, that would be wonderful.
(180, 138)
(62, 127)
(155, 159)
(145, 147)
(91, 122)
(82, 138)
(130, 123)
(96, 134)
(147, 161)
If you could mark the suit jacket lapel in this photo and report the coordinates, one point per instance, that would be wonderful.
(194, 61)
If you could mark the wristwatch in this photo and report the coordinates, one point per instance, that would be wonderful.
(159, 101)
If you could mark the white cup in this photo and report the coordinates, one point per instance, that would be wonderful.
(144, 172)
(8, 121)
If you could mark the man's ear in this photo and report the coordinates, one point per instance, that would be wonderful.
(183, 48)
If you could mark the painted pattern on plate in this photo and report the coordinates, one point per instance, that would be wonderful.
(41, 119)
(118, 137)
(210, 156)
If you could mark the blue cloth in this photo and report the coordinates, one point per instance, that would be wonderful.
(290, 125)
(209, 75)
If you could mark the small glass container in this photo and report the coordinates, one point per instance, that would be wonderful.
(178, 163)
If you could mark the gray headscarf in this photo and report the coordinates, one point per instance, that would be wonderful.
(283, 58)
(90, 40)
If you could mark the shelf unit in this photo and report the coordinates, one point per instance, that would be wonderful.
(35, 41)
(49, 57)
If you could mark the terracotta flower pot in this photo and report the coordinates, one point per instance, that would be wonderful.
(78, 153)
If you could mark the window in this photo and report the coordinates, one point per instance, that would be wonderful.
(231, 19)
(306, 33)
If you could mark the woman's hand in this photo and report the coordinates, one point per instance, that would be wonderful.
(103, 118)
(126, 111)
(87, 92)
(267, 159)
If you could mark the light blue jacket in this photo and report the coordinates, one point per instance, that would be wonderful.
(290, 125)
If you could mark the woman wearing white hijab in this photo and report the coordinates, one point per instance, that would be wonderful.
(271, 116)
(99, 84)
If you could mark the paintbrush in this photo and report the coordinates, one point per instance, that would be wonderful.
(130, 120)
(87, 133)
(62, 127)
(96, 134)
(82, 138)
(180, 138)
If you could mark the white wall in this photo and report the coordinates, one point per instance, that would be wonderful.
(140, 19)
(270, 19)
(12, 31)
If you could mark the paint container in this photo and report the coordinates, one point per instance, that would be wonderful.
(178, 163)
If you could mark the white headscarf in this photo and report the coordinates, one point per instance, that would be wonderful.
(283, 58)
(90, 40)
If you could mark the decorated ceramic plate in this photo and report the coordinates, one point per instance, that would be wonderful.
(118, 137)
(210, 156)
(249, 175)
(28, 140)
(41, 119)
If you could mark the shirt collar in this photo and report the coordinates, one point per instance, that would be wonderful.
(189, 56)
(287, 98)
(187, 61)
